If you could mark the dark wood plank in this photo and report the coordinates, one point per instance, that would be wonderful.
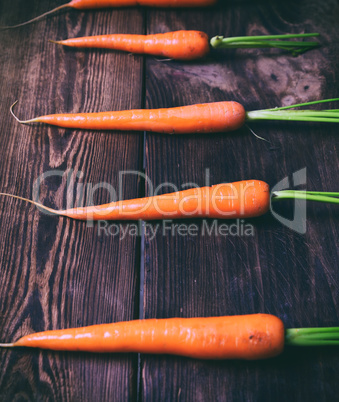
(55, 272)
(277, 270)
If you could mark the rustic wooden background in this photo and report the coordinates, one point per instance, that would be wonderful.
(58, 273)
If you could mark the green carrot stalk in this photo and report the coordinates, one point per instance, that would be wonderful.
(283, 113)
(266, 41)
(328, 336)
(318, 196)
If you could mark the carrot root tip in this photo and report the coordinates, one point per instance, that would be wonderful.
(256, 135)
(57, 42)
(39, 17)
(17, 119)
(37, 204)
(6, 345)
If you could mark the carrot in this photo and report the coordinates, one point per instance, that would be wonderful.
(200, 118)
(90, 4)
(246, 337)
(242, 199)
(184, 45)
(245, 199)
(249, 337)
(178, 45)
(93, 4)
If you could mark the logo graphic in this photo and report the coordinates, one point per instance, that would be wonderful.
(298, 223)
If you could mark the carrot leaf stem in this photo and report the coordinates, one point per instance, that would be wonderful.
(312, 336)
(266, 41)
(318, 196)
(305, 104)
(282, 113)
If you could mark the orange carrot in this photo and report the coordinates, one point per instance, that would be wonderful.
(88, 4)
(246, 337)
(187, 45)
(249, 337)
(242, 199)
(200, 118)
(178, 45)
(93, 4)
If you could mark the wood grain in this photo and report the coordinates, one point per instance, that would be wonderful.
(60, 273)
(55, 272)
(277, 270)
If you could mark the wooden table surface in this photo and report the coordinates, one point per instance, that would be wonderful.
(58, 273)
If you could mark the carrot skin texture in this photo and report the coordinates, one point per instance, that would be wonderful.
(201, 118)
(89, 4)
(178, 45)
(249, 337)
(243, 199)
